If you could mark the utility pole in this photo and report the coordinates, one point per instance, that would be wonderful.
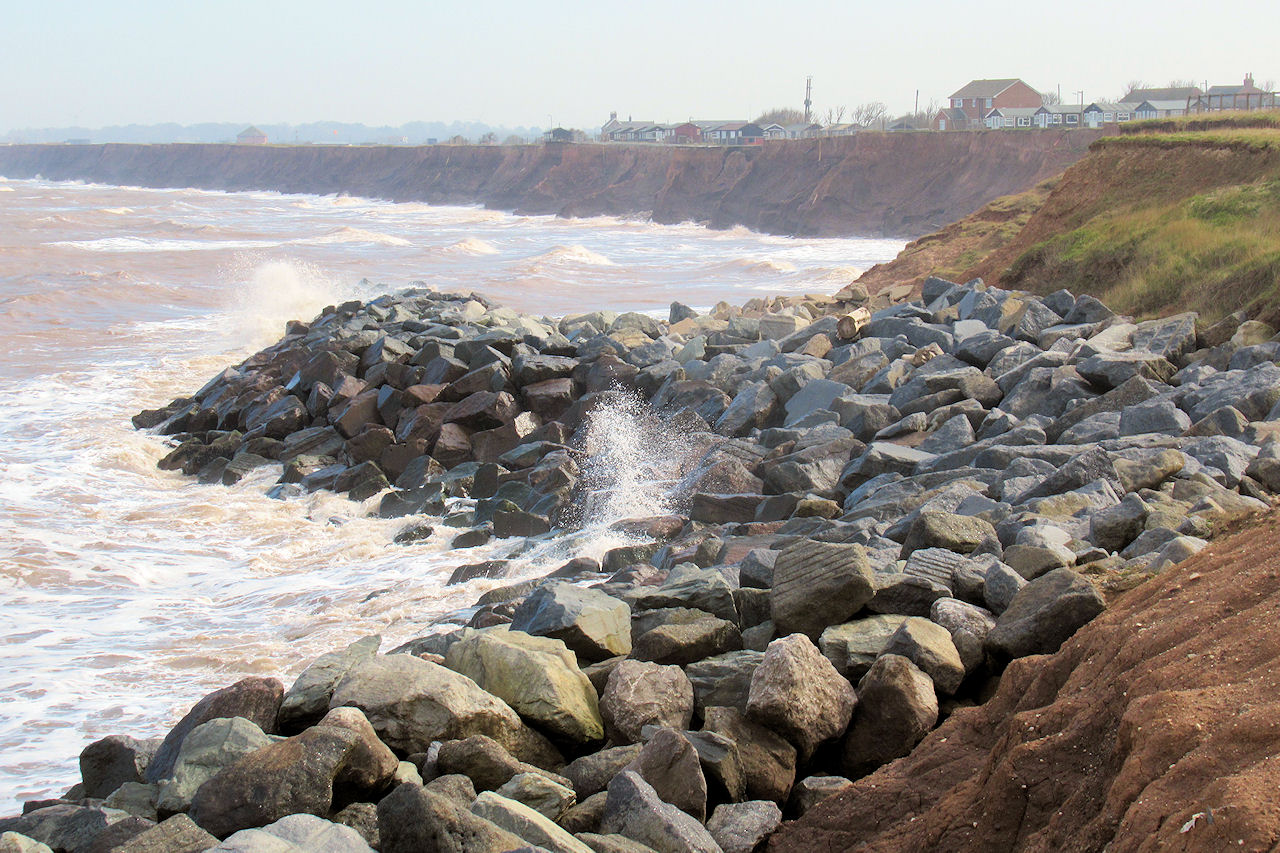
(808, 100)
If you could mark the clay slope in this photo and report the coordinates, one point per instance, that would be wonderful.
(866, 185)
(1157, 727)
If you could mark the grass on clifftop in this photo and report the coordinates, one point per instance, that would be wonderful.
(1214, 252)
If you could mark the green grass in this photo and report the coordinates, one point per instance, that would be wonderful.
(1260, 138)
(1205, 121)
(1213, 253)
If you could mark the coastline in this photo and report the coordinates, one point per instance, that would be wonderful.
(865, 509)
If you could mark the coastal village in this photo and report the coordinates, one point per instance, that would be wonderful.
(1001, 104)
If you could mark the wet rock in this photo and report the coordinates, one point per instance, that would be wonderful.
(256, 699)
(634, 810)
(897, 707)
(701, 589)
(207, 750)
(537, 676)
(816, 584)
(639, 693)
(108, 763)
(797, 691)
(412, 819)
(594, 625)
(1044, 614)
(308, 699)
(64, 826)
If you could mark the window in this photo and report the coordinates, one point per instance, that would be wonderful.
(957, 102)
(1108, 116)
(1024, 121)
(1008, 122)
(1122, 116)
(989, 103)
(1056, 118)
(1073, 119)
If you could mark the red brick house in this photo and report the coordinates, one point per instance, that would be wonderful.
(968, 106)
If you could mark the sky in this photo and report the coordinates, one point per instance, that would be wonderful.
(570, 63)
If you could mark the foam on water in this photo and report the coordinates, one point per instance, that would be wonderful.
(130, 592)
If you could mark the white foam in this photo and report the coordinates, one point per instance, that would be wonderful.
(145, 244)
(348, 234)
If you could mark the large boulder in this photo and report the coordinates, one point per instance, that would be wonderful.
(412, 702)
(1044, 614)
(853, 646)
(177, 834)
(634, 810)
(520, 820)
(739, 827)
(639, 693)
(412, 819)
(593, 624)
(768, 760)
(108, 763)
(209, 748)
(799, 693)
(256, 699)
(816, 584)
(897, 706)
(929, 646)
(687, 642)
(308, 698)
(64, 827)
(537, 676)
(670, 764)
(298, 833)
(938, 529)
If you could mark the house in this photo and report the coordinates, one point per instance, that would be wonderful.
(728, 133)
(1103, 112)
(1002, 118)
(803, 130)
(950, 118)
(1243, 97)
(979, 97)
(685, 134)
(774, 131)
(1159, 108)
(1186, 94)
(908, 123)
(560, 134)
(846, 129)
(251, 136)
(1059, 115)
(622, 131)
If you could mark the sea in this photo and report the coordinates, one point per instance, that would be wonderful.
(126, 592)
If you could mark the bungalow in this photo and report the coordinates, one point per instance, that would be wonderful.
(1059, 115)
(560, 134)
(1186, 94)
(846, 129)
(803, 130)
(735, 133)
(951, 118)
(621, 131)
(774, 131)
(1159, 108)
(1103, 112)
(685, 134)
(1010, 117)
(251, 136)
(751, 134)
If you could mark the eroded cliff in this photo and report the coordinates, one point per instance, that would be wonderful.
(873, 184)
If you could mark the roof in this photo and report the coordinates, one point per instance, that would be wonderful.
(985, 88)
(1163, 105)
(1106, 106)
(953, 113)
(1014, 112)
(1062, 109)
(1174, 93)
(731, 125)
(249, 131)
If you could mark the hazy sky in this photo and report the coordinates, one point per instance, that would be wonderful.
(517, 62)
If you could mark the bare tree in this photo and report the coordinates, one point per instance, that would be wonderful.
(835, 115)
(489, 138)
(1267, 85)
(1051, 97)
(780, 115)
(1131, 87)
(869, 113)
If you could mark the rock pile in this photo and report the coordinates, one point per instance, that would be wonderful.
(886, 509)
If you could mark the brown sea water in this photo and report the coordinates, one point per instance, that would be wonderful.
(127, 592)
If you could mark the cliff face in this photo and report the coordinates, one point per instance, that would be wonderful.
(873, 184)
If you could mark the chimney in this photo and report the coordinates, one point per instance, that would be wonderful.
(1248, 80)
(613, 116)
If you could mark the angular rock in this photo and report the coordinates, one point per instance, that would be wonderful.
(298, 833)
(412, 819)
(594, 625)
(1044, 614)
(688, 642)
(670, 764)
(767, 759)
(634, 810)
(520, 820)
(929, 646)
(256, 699)
(308, 699)
(639, 693)
(739, 827)
(816, 584)
(207, 750)
(937, 529)
(108, 763)
(797, 691)
(537, 676)
(535, 790)
(853, 646)
(591, 773)
(897, 707)
(177, 834)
